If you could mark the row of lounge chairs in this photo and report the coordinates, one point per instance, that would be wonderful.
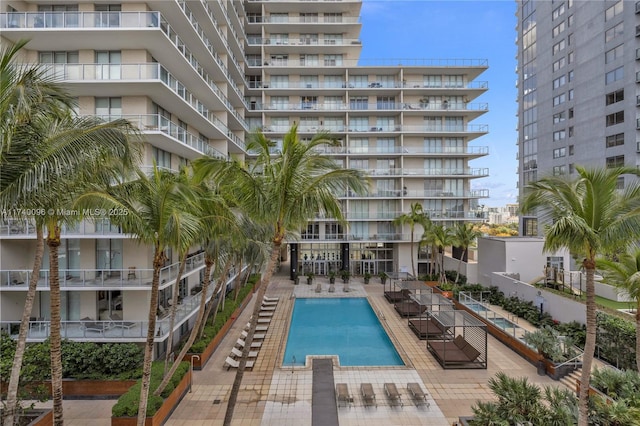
(115, 321)
(368, 395)
(264, 318)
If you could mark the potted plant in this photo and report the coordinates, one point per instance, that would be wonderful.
(383, 277)
(296, 279)
(332, 277)
(367, 277)
(424, 102)
(345, 274)
(310, 276)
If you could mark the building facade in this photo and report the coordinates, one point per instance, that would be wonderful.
(197, 77)
(577, 89)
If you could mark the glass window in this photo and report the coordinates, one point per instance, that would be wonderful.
(617, 161)
(613, 97)
(614, 10)
(612, 54)
(615, 118)
(615, 140)
(614, 32)
(615, 75)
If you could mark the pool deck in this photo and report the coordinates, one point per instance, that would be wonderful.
(272, 395)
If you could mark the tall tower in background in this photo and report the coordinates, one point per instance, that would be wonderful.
(578, 65)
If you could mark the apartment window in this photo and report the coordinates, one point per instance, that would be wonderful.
(572, 168)
(557, 12)
(570, 57)
(58, 57)
(559, 135)
(277, 17)
(309, 39)
(570, 94)
(309, 81)
(570, 39)
(279, 60)
(359, 102)
(279, 38)
(559, 117)
(108, 107)
(571, 150)
(569, 21)
(559, 170)
(615, 140)
(620, 183)
(108, 65)
(332, 60)
(559, 46)
(333, 17)
(613, 54)
(309, 60)
(432, 81)
(613, 97)
(308, 17)
(559, 152)
(570, 131)
(280, 81)
(615, 118)
(613, 162)
(559, 28)
(108, 15)
(57, 20)
(560, 81)
(614, 32)
(333, 39)
(530, 227)
(560, 99)
(453, 81)
(279, 102)
(559, 64)
(614, 10)
(570, 113)
(570, 76)
(161, 157)
(615, 75)
(385, 102)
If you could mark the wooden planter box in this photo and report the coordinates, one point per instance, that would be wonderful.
(198, 364)
(86, 389)
(40, 416)
(161, 416)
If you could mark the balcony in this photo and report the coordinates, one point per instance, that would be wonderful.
(377, 106)
(25, 227)
(468, 129)
(75, 279)
(422, 194)
(40, 20)
(463, 172)
(122, 330)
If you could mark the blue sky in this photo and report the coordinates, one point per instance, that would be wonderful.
(456, 29)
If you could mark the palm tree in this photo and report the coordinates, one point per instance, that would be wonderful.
(625, 274)
(284, 190)
(589, 216)
(464, 235)
(415, 217)
(441, 238)
(159, 215)
(50, 159)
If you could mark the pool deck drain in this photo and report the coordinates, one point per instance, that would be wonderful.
(324, 411)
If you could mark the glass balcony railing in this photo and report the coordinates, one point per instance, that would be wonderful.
(104, 278)
(25, 227)
(408, 193)
(464, 171)
(354, 107)
(158, 123)
(372, 150)
(469, 128)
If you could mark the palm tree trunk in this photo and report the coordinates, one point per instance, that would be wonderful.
(589, 346)
(222, 281)
(433, 259)
(262, 290)
(158, 261)
(638, 335)
(55, 342)
(173, 311)
(194, 330)
(21, 344)
(464, 253)
(239, 279)
(413, 262)
(212, 305)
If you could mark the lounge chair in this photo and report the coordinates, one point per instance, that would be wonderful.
(343, 395)
(368, 395)
(254, 345)
(118, 322)
(264, 320)
(237, 353)
(318, 288)
(230, 362)
(256, 336)
(392, 394)
(419, 397)
(265, 314)
(346, 289)
(267, 303)
(332, 288)
(270, 299)
(264, 308)
(258, 327)
(88, 324)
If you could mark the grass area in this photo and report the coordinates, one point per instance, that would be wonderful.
(609, 305)
(612, 304)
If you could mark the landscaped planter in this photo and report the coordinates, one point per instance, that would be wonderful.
(167, 407)
(38, 416)
(86, 389)
(204, 357)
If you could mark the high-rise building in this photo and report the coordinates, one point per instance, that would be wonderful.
(577, 88)
(197, 77)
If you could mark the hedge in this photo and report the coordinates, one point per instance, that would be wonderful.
(127, 404)
(212, 327)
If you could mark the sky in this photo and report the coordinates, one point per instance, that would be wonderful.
(459, 29)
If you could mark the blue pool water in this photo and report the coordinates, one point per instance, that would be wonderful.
(346, 327)
(476, 307)
(503, 323)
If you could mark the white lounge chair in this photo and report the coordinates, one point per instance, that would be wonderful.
(256, 336)
(368, 395)
(267, 308)
(342, 394)
(232, 363)
(265, 314)
(271, 299)
(254, 345)
(419, 397)
(392, 393)
(264, 320)
(258, 327)
(237, 353)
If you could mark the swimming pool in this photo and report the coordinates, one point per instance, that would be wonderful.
(503, 323)
(476, 307)
(347, 327)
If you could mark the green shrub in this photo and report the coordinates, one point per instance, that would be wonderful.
(127, 404)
